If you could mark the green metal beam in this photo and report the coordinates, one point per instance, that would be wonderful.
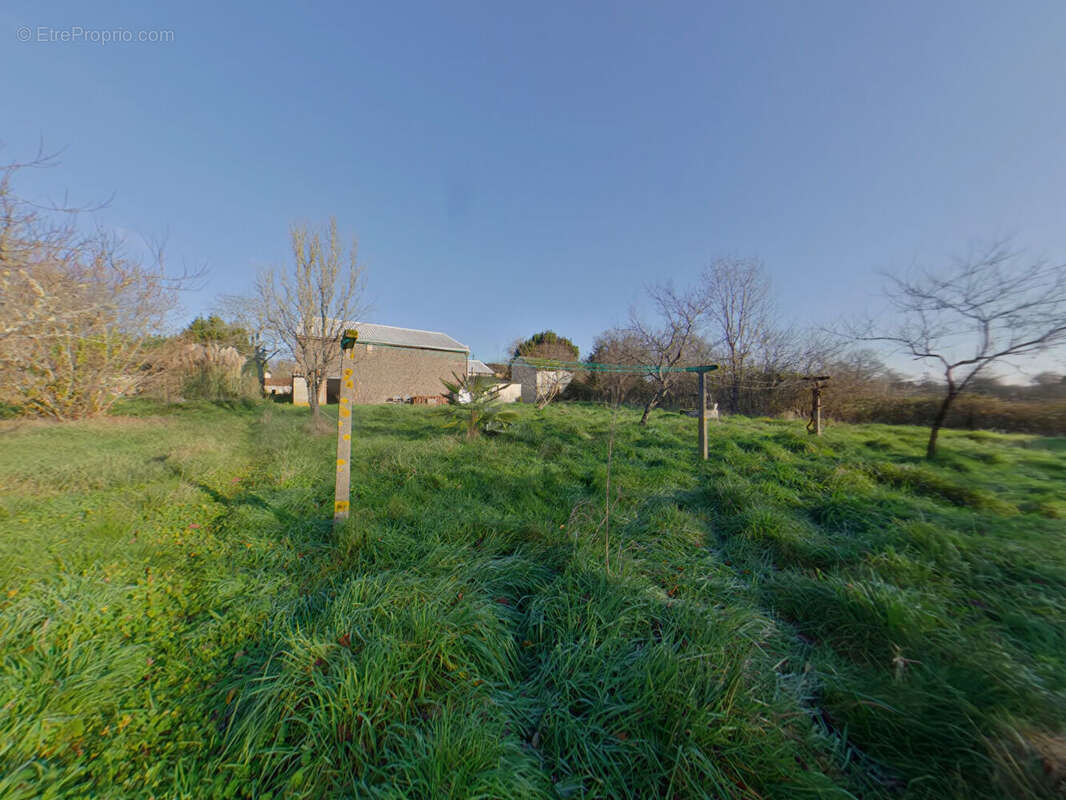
(626, 369)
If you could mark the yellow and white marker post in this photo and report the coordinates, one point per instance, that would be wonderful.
(342, 497)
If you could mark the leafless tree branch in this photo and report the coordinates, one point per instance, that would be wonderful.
(306, 307)
(987, 307)
(667, 343)
(77, 313)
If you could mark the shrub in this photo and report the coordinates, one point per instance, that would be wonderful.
(547, 344)
(474, 403)
(79, 313)
(975, 412)
(190, 371)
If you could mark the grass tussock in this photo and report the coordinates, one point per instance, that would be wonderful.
(797, 617)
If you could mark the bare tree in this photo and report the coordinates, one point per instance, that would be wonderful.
(78, 316)
(551, 383)
(668, 343)
(308, 305)
(989, 307)
(736, 292)
(615, 347)
(35, 241)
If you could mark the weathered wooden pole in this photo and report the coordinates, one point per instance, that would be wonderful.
(342, 496)
(703, 414)
(814, 425)
(701, 409)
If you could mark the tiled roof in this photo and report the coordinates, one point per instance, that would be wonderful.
(371, 333)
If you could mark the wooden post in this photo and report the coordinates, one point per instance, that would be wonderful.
(342, 496)
(701, 408)
(814, 425)
(703, 415)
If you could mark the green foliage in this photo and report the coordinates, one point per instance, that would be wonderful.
(474, 404)
(178, 617)
(215, 330)
(547, 344)
(209, 360)
(209, 381)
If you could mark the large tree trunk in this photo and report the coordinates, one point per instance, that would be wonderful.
(938, 423)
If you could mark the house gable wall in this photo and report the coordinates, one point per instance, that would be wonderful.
(383, 373)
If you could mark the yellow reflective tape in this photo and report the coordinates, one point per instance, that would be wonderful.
(340, 505)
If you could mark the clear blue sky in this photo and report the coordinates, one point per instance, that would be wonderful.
(509, 167)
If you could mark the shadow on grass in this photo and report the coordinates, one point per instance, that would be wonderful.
(231, 502)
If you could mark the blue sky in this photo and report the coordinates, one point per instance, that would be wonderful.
(513, 167)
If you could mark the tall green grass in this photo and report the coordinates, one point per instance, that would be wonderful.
(796, 617)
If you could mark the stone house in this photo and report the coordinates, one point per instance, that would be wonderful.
(394, 364)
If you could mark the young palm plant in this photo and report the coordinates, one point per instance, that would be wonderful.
(474, 404)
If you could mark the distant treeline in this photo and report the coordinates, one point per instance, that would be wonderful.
(975, 412)
(861, 389)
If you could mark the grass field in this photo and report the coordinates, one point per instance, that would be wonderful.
(794, 618)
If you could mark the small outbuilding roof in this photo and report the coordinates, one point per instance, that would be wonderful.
(477, 367)
(390, 335)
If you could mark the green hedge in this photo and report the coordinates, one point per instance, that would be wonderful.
(972, 413)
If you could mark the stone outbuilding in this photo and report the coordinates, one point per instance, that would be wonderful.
(538, 383)
(394, 365)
